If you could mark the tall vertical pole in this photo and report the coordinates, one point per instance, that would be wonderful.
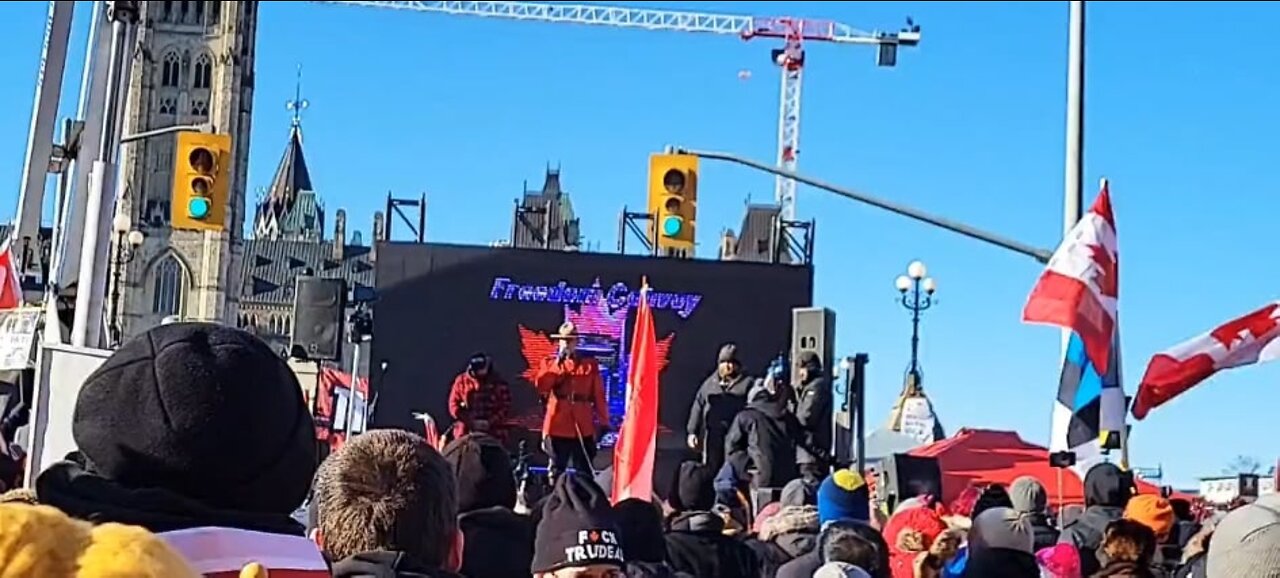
(1073, 193)
(915, 331)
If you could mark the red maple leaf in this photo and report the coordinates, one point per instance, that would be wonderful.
(1108, 274)
(1256, 324)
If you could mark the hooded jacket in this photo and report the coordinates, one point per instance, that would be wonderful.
(813, 412)
(715, 404)
(696, 545)
(385, 565)
(767, 433)
(1106, 491)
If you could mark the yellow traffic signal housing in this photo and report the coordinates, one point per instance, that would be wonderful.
(673, 203)
(201, 181)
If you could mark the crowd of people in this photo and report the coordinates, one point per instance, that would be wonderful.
(195, 446)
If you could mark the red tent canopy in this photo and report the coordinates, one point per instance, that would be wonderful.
(988, 456)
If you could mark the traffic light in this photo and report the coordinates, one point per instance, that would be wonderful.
(673, 203)
(201, 181)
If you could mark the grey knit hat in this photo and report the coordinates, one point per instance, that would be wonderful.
(1002, 528)
(1028, 495)
(1247, 541)
(840, 570)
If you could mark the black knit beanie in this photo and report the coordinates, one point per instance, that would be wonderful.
(640, 526)
(693, 489)
(483, 471)
(579, 528)
(202, 410)
(992, 496)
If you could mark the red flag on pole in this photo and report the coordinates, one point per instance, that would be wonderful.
(633, 456)
(10, 286)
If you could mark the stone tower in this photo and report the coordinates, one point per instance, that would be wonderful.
(193, 64)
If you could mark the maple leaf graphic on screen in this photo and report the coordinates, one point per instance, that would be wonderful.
(594, 321)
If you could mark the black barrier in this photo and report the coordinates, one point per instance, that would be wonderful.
(439, 304)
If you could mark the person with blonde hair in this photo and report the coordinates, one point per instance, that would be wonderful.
(42, 541)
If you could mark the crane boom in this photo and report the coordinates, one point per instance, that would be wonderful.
(642, 18)
(790, 59)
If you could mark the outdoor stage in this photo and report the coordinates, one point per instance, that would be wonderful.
(438, 304)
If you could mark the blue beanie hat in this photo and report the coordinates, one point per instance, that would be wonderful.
(844, 496)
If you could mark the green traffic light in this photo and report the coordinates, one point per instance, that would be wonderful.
(671, 225)
(198, 208)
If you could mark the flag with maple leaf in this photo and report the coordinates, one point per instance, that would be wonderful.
(1080, 287)
(633, 458)
(1246, 340)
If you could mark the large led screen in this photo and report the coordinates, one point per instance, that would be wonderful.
(439, 304)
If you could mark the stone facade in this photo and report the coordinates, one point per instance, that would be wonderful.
(193, 64)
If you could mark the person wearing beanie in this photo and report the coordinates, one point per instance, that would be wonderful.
(1153, 512)
(578, 531)
(766, 433)
(991, 496)
(693, 489)
(840, 570)
(486, 501)
(844, 496)
(192, 428)
(800, 492)
(1247, 541)
(696, 540)
(812, 407)
(640, 530)
(1001, 545)
(910, 533)
(1029, 497)
(720, 397)
(1107, 490)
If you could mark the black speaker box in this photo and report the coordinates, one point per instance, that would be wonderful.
(318, 305)
(903, 477)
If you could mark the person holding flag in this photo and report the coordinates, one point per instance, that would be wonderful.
(577, 413)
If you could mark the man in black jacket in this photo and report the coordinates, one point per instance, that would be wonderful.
(1107, 490)
(813, 412)
(721, 397)
(767, 433)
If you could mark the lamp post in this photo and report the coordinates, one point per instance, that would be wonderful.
(916, 290)
(128, 240)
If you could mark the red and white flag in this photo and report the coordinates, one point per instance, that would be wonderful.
(633, 457)
(10, 283)
(1243, 341)
(1080, 287)
(429, 430)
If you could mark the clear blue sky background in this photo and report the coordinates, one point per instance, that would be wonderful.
(1181, 117)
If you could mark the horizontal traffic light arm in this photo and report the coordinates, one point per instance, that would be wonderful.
(206, 128)
(1040, 255)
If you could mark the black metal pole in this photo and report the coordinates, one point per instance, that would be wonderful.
(915, 329)
(117, 329)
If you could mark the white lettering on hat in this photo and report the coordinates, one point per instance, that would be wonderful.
(594, 545)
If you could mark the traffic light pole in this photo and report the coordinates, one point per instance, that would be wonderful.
(91, 286)
(1040, 255)
(144, 135)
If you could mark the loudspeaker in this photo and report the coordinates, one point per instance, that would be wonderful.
(318, 305)
(812, 329)
(903, 477)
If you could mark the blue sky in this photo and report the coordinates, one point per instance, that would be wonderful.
(969, 126)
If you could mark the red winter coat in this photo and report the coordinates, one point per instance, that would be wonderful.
(575, 398)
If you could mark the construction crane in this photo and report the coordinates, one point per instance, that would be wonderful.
(790, 57)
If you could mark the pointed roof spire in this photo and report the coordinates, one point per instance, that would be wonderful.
(292, 175)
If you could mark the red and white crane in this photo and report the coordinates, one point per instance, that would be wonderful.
(793, 32)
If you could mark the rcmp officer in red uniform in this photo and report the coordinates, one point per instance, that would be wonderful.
(577, 413)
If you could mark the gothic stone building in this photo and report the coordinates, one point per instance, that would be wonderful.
(194, 64)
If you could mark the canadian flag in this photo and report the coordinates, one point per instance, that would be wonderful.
(1080, 287)
(10, 285)
(1243, 341)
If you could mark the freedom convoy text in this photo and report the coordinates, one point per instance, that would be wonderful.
(617, 296)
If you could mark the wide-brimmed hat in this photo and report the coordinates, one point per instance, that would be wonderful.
(567, 331)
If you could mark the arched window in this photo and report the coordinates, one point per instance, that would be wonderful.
(171, 70)
(202, 72)
(288, 326)
(169, 286)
